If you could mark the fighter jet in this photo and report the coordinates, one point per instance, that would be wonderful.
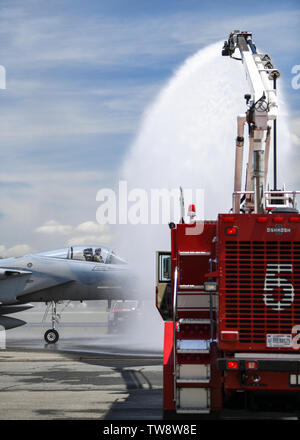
(76, 273)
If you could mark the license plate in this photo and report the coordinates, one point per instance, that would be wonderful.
(279, 340)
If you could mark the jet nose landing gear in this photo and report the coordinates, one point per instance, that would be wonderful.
(51, 336)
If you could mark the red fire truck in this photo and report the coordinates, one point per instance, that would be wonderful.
(229, 290)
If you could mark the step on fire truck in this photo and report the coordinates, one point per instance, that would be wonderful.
(229, 290)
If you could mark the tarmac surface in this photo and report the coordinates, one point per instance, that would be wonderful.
(88, 374)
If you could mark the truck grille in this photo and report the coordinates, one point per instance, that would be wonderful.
(262, 288)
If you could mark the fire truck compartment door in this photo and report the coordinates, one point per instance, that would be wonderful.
(193, 267)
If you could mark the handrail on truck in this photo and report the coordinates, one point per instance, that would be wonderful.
(278, 195)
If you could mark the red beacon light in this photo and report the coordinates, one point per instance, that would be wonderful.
(192, 213)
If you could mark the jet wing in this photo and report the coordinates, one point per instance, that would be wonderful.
(7, 323)
(12, 283)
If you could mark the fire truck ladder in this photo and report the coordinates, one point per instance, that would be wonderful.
(192, 341)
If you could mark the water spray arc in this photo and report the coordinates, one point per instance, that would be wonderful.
(185, 139)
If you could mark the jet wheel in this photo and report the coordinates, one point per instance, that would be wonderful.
(51, 336)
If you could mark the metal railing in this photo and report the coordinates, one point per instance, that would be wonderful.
(270, 196)
(282, 195)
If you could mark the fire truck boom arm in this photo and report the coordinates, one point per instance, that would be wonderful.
(259, 71)
(262, 108)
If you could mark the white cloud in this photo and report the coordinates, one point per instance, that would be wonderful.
(37, 196)
(88, 232)
(54, 227)
(91, 227)
(90, 239)
(15, 251)
(88, 227)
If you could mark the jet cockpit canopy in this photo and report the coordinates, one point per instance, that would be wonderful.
(94, 253)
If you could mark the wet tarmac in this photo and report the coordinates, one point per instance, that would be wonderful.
(89, 374)
(84, 329)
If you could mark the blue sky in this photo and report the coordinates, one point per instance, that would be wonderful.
(80, 76)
